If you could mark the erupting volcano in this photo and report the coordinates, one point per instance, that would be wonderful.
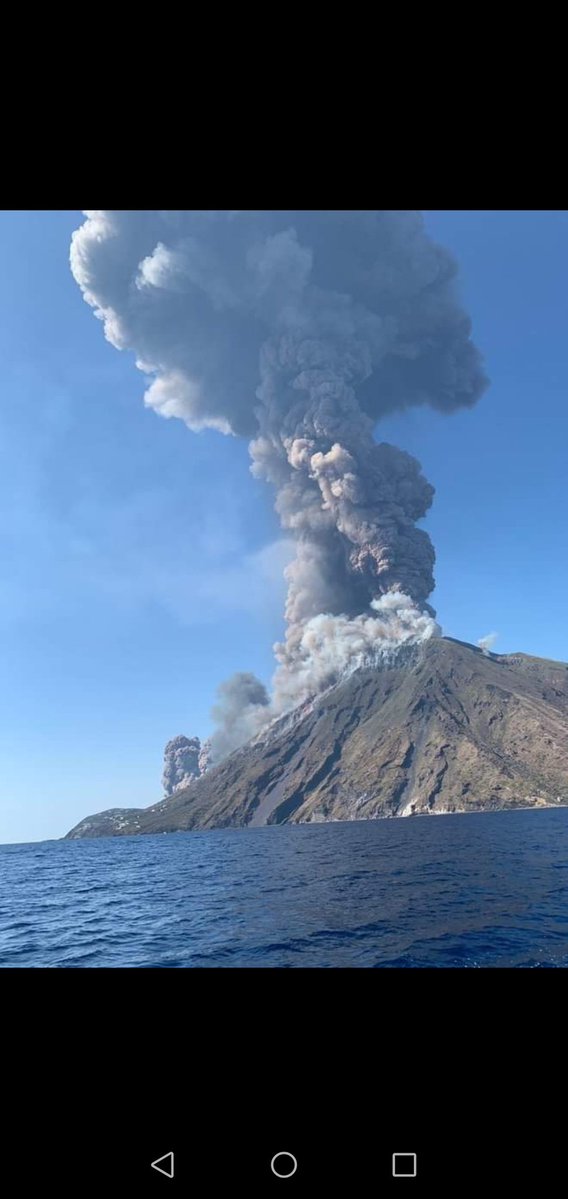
(300, 330)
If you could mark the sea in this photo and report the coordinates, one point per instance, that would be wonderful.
(473, 891)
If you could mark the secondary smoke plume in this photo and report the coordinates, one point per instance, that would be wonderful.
(204, 759)
(486, 643)
(181, 763)
(300, 330)
(242, 709)
(185, 758)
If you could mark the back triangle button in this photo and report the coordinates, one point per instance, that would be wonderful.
(164, 1165)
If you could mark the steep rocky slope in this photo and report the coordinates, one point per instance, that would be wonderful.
(443, 728)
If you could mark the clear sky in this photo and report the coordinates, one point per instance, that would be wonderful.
(130, 587)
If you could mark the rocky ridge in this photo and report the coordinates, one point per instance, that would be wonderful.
(443, 728)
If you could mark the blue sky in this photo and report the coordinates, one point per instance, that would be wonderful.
(130, 587)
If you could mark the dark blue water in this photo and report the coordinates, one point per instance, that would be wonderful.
(473, 891)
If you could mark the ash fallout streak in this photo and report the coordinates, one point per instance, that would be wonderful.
(300, 330)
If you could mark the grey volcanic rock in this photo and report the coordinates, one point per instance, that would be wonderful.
(440, 728)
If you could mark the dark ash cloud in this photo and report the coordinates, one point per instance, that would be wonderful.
(300, 330)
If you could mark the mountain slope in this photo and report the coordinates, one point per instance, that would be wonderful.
(443, 728)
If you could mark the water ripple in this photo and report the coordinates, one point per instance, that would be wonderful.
(469, 891)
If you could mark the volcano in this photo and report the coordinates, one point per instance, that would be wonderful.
(439, 727)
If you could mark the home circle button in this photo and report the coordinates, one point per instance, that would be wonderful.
(283, 1165)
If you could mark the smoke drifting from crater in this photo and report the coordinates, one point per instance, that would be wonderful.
(300, 330)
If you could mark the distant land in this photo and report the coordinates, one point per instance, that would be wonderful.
(442, 727)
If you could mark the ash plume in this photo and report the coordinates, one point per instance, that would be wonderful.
(242, 708)
(181, 763)
(185, 758)
(300, 330)
(204, 759)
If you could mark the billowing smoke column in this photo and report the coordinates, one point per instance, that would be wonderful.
(300, 330)
(181, 763)
(185, 758)
(242, 709)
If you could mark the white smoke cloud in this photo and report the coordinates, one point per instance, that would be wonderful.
(331, 646)
(173, 395)
(486, 643)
